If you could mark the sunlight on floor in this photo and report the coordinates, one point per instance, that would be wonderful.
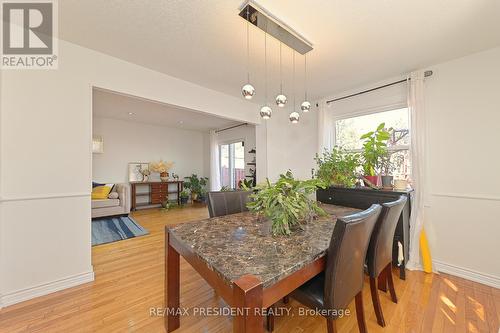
(478, 308)
(447, 316)
(451, 285)
(472, 328)
(449, 303)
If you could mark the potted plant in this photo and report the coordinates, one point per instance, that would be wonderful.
(374, 148)
(338, 167)
(287, 203)
(195, 185)
(388, 164)
(162, 168)
(184, 197)
(246, 184)
(202, 196)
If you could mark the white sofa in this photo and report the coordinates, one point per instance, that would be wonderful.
(110, 207)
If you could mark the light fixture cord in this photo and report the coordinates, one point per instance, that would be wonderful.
(265, 66)
(305, 76)
(281, 75)
(248, 45)
(293, 80)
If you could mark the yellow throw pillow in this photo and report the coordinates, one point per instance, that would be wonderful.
(101, 192)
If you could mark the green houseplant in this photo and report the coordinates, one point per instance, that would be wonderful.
(374, 148)
(196, 185)
(286, 203)
(388, 164)
(246, 184)
(184, 197)
(338, 167)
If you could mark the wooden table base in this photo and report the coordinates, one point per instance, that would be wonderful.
(246, 296)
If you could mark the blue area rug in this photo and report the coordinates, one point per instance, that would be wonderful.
(112, 229)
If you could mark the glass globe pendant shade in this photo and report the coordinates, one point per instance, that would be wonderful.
(281, 100)
(305, 106)
(265, 112)
(294, 117)
(248, 91)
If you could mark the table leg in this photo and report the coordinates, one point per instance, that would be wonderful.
(247, 299)
(172, 288)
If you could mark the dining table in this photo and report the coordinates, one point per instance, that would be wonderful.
(248, 266)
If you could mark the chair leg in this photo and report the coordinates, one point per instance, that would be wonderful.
(382, 281)
(390, 282)
(270, 322)
(360, 313)
(376, 302)
(331, 325)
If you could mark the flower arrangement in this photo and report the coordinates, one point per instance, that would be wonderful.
(160, 166)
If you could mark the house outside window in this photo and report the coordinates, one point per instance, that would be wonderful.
(347, 133)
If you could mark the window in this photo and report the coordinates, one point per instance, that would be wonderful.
(232, 164)
(349, 130)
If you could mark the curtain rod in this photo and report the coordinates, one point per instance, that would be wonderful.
(228, 128)
(426, 74)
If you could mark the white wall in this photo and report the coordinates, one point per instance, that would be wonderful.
(45, 157)
(464, 133)
(291, 146)
(129, 141)
(463, 201)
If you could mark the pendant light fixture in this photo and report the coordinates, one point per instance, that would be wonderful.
(248, 91)
(294, 116)
(281, 98)
(265, 111)
(306, 105)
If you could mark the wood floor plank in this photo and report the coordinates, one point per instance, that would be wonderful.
(129, 284)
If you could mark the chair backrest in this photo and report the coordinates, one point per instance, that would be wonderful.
(380, 249)
(344, 274)
(222, 203)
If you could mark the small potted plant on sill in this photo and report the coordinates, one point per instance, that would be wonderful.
(184, 197)
(196, 185)
(374, 148)
(338, 167)
(388, 164)
(284, 206)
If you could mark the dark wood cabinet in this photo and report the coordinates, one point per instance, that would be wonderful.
(363, 198)
(156, 194)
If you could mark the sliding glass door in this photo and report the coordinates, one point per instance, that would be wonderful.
(232, 164)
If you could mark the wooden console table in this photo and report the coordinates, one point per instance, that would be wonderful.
(158, 192)
(363, 198)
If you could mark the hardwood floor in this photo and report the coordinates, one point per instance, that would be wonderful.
(129, 284)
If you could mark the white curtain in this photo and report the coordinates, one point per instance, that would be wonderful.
(418, 143)
(214, 162)
(325, 127)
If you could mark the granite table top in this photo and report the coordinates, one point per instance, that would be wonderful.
(238, 244)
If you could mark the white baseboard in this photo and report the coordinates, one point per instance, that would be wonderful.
(468, 274)
(44, 289)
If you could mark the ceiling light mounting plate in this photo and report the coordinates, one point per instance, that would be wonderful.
(264, 20)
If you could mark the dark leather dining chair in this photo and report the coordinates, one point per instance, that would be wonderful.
(343, 278)
(222, 203)
(379, 256)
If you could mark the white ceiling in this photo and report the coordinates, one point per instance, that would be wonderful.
(355, 42)
(108, 104)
